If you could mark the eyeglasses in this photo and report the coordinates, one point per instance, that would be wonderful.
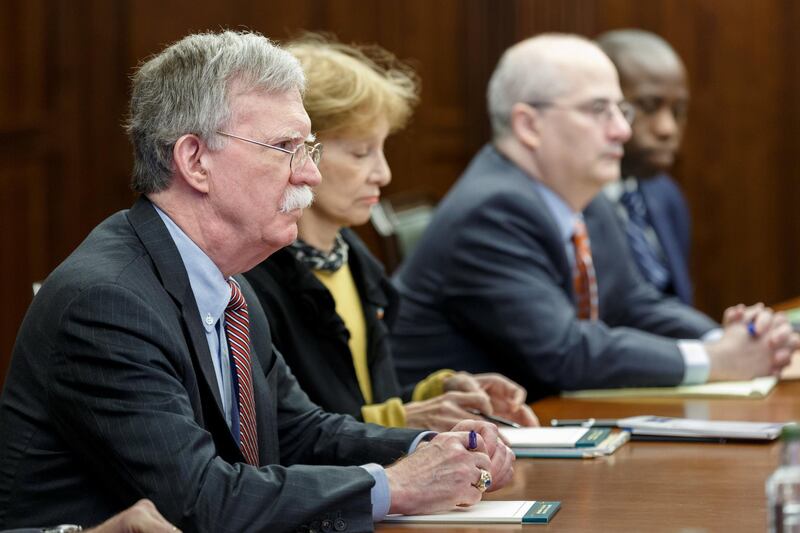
(650, 105)
(300, 155)
(601, 109)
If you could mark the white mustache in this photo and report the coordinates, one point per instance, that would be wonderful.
(296, 197)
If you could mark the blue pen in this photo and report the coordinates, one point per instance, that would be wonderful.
(473, 441)
(751, 329)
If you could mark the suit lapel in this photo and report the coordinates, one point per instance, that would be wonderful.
(556, 242)
(660, 222)
(497, 164)
(319, 306)
(318, 311)
(169, 266)
(376, 299)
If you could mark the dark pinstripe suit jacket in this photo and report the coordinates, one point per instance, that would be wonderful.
(111, 396)
(671, 221)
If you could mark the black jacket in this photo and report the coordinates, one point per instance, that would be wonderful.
(112, 397)
(313, 338)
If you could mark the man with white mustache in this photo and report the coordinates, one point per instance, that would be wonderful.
(145, 366)
(524, 269)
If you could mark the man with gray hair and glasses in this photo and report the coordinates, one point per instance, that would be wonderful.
(524, 269)
(144, 367)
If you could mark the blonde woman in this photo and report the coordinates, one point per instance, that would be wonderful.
(327, 298)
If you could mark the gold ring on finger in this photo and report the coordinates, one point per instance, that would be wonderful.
(484, 482)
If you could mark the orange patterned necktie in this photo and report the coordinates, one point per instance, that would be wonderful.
(237, 329)
(584, 280)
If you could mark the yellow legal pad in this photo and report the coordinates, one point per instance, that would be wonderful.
(755, 388)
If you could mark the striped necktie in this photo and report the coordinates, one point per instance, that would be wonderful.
(584, 280)
(650, 264)
(237, 329)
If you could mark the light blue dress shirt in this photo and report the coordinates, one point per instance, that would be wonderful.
(212, 294)
(695, 357)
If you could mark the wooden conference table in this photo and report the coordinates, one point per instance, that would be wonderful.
(652, 486)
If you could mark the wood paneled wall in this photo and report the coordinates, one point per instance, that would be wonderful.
(65, 64)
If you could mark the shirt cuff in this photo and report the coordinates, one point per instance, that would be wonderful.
(380, 495)
(712, 335)
(425, 435)
(695, 360)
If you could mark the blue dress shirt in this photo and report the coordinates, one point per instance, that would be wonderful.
(212, 294)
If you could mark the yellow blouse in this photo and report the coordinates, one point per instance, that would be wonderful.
(348, 306)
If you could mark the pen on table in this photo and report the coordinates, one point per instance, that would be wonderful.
(493, 418)
(585, 422)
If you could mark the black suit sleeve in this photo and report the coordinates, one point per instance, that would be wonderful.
(122, 385)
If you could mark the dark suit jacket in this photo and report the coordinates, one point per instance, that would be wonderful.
(489, 288)
(670, 218)
(111, 396)
(313, 338)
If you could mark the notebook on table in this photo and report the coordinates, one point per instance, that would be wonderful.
(558, 437)
(564, 442)
(495, 512)
(665, 428)
(613, 441)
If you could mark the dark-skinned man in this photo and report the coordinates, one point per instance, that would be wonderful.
(647, 199)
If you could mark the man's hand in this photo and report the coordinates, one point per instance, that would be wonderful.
(507, 397)
(741, 313)
(438, 476)
(499, 453)
(756, 342)
(143, 517)
(782, 341)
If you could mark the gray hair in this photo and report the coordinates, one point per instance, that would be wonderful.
(530, 71)
(185, 89)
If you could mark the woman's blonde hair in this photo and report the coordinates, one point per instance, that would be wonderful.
(349, 87)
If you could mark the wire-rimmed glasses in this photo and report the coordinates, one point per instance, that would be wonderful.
(300, 155)
(600, 109)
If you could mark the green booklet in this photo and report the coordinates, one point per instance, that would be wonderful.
(612, 442)
(494, 512)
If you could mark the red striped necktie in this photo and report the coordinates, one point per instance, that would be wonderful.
(584, 280)
(237, 329)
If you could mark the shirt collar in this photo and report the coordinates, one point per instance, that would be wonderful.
(613, 191)
(563, 214)
(211, 291)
